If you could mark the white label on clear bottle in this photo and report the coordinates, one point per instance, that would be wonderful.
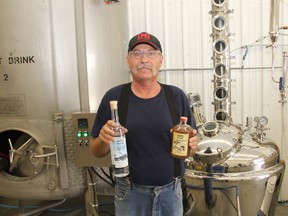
(120, 152)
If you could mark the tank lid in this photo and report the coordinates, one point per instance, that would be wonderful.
(252, 159)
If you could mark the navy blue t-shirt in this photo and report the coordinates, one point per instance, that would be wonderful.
(148, 138)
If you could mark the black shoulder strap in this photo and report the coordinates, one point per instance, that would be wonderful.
(123, 103)
(171, 103)
(175, 118)
(123, 109)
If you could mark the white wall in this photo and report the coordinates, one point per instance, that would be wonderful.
(106, 28)
(184, 26)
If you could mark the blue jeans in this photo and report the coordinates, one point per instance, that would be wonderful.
(139, 200)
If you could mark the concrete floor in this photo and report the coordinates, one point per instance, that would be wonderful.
(76, 207)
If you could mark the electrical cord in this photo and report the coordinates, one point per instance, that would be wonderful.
(110, 176)
(102, 178)
(227, 196)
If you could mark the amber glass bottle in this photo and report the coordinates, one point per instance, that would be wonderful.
(181, 134)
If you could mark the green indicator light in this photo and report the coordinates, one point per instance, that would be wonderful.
(85, 134)
(79, 134)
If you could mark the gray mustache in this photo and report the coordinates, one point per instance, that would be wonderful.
(147, 66)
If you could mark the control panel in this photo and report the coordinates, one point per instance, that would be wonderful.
(82, 123)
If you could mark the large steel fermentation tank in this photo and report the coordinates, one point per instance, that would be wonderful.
(36, 150)
(45, 74)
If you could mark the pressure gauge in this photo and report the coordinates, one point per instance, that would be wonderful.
(263, 120)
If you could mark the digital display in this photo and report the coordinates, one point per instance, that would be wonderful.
(83, 123)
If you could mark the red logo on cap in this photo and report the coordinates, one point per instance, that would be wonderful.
(144, 36)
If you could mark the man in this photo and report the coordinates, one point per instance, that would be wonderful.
(152, 187)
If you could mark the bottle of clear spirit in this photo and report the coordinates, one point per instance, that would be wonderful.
(181, 134)
(118, 148)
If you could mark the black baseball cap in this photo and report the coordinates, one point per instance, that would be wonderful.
(144, 38)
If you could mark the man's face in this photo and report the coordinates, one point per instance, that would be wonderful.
(144, 62)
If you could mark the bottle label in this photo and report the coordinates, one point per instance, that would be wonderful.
(120, 152)
(180, 144)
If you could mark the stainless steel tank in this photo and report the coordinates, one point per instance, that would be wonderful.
(35, 126)
(235, 170)
(44, 79)
(246, 183)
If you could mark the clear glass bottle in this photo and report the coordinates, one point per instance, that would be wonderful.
(118, 148)
(181, 134)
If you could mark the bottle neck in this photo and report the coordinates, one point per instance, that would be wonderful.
(114, 115)
(183, 122)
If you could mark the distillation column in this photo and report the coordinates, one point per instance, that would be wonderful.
(221, 60)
